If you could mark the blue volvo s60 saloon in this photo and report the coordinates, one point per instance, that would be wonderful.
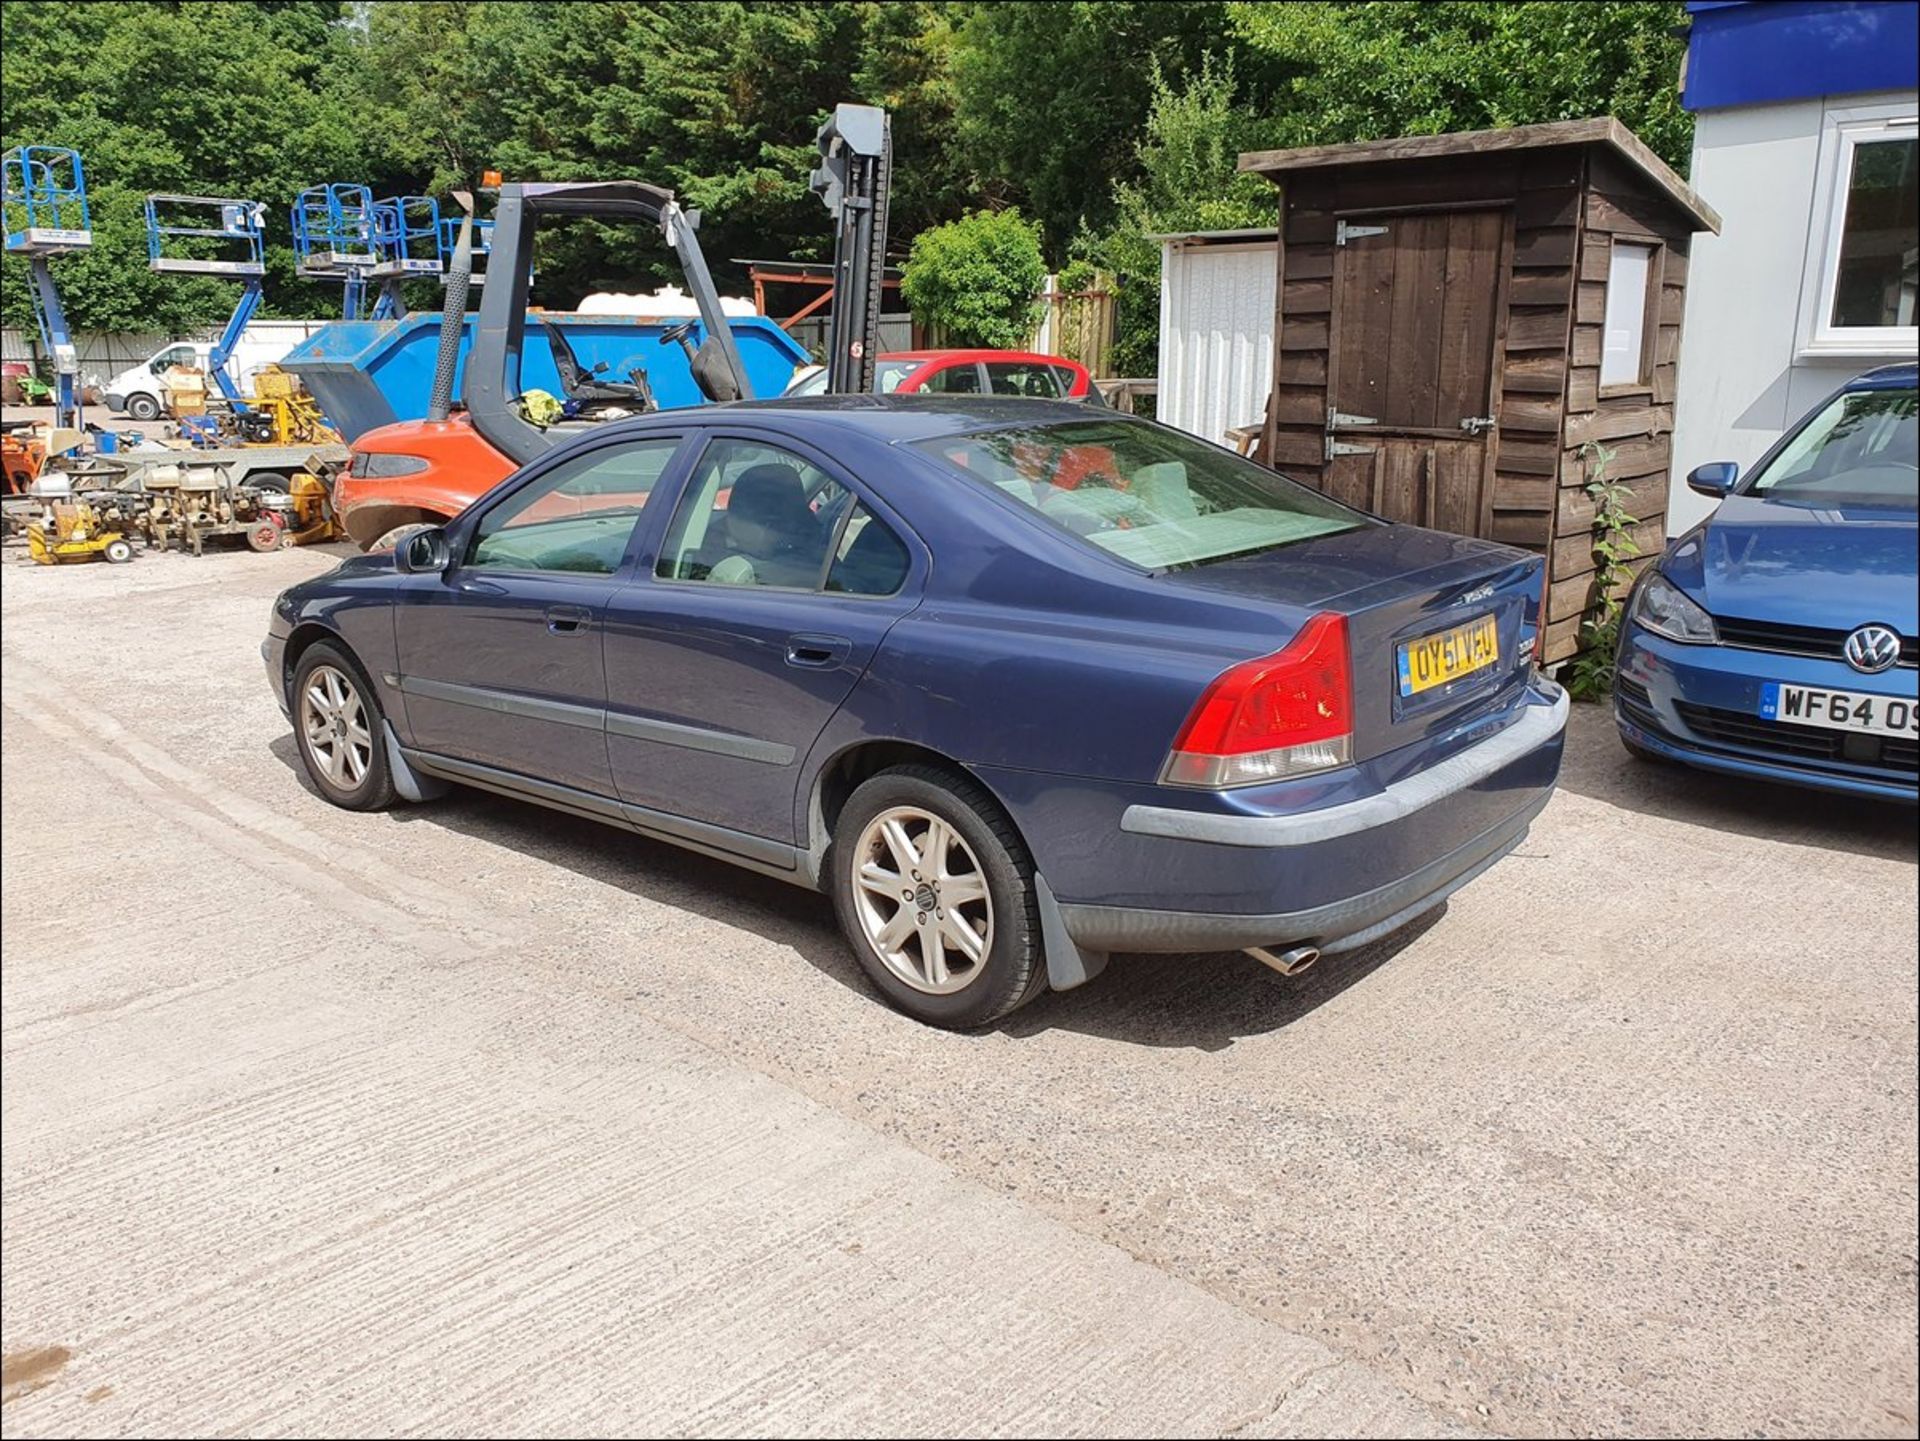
(1019, 686)
(1780, 638)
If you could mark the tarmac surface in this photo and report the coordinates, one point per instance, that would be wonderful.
(472, 1118)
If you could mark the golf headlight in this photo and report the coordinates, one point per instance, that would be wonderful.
(1663, 608)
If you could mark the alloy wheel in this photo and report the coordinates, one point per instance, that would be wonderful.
(335, 724)
(922, 900)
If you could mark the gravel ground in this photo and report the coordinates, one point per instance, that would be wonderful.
(473, 1118)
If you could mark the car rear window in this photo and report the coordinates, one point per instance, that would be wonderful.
(1147, 494)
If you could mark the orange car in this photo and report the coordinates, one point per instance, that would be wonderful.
(417, 472)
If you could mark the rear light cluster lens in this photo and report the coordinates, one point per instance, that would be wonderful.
(380, 465)
(1284, 715)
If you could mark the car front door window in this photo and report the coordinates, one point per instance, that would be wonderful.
(578, 517)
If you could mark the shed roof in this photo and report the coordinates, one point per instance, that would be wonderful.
(1602, 130)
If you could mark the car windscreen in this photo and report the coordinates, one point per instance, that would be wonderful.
(1147, 494)
(1860, 451)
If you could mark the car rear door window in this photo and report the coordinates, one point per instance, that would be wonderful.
(961, 379)
(869, 559)
(578, 517)
(1029, 378)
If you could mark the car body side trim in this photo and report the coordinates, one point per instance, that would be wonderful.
(506, 702)
(1538, 725)
(774, 858)
(699, 738)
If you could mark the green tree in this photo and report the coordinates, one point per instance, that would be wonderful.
(254, 101)
(1366, 71)
(1188, 179)
(977, 279)
(1051, 99)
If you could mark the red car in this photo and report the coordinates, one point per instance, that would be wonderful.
(967, 372)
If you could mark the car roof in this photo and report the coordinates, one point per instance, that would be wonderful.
(1887, 377)
(887, 418)
(979, 354)
(915, 417)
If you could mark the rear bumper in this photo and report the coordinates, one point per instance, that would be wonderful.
(1134, 874)
(1337, 926)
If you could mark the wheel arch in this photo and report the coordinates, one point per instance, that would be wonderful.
(1068, 964)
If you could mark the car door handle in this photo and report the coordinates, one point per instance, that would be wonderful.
(568, 619)
(817, 650)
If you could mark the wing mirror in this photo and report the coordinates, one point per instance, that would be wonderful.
(425, 552)
(1715, 478)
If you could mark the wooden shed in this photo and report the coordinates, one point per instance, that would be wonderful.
(1459, 314)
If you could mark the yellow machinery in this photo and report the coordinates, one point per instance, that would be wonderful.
(307, 517)
(280, 412)
(74, 532)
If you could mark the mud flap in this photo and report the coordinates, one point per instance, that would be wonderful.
(1068, 964)
(409, 782)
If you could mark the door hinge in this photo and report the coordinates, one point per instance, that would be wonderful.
(1475, 424)
(1343, 232)
(1337, 447)
(1338, 418)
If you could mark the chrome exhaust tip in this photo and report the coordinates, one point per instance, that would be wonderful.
(1287, 963)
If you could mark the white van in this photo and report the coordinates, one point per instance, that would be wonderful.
(138, 391)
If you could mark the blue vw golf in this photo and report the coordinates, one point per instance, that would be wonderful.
(1778, 638)
(1017, 685)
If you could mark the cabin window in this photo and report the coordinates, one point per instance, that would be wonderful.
(1633, 285)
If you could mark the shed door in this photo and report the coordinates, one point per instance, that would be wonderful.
(1411, 421)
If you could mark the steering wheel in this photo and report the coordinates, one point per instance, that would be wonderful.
(679, 332)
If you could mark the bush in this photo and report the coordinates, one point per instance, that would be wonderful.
(976, 279)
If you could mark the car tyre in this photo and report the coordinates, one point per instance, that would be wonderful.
(339, 728)
(950, 833)
(142, 407)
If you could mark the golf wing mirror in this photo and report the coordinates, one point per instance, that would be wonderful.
(1715, 478)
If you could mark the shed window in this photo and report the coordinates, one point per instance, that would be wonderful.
(1867, 287)
(1630, 280)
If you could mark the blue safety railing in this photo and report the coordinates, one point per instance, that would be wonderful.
(213, 235)
(206, 235)
(406, 240)
(43, 198)
(43, 194)
(333, 238)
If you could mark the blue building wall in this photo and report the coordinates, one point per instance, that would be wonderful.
(1742, 53)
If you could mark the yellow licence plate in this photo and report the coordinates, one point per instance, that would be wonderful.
(1448, 654)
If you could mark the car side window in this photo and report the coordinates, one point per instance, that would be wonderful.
(962, 379)
(753, 514)
(1023, 378)
(869, 558)
(577, 517)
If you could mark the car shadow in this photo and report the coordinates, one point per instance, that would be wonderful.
(1194, 1002)
(1598, 766)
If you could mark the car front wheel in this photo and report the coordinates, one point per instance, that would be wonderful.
(142, 407)
(934, 890)
(340, 730)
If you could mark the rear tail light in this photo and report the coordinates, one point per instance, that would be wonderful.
(1287, 714)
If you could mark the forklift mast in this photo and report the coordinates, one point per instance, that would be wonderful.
(854, 178)
(493, 367)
